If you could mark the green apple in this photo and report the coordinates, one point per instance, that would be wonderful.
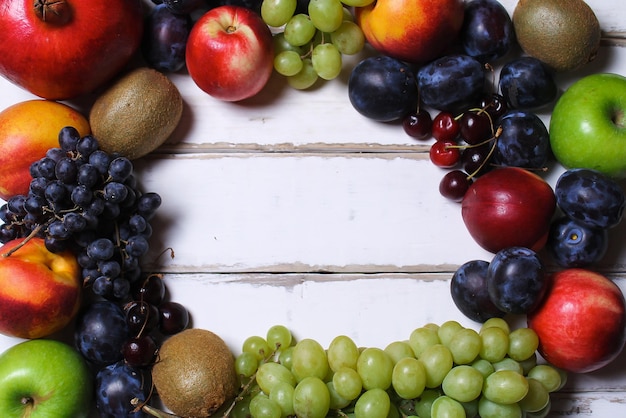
(588, 125)
(44, 378)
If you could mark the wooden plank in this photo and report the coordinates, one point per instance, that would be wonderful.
(308, 212)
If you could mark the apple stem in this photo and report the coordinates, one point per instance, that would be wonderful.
(619, 118)
(56, 12)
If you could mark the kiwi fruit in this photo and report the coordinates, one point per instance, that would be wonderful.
(564, 34)
(137, 113)
(195, 373)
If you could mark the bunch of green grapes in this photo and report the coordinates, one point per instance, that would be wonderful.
(308, 46)
(440, 371)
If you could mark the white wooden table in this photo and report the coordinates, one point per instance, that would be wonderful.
(291, 208)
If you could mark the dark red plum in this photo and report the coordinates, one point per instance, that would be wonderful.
(523, 142)
(383, 89)
(487, 33)
(573, 244)
(516, 280)
(165, 39)
(526, 83)
(469, 292)
(452, 83)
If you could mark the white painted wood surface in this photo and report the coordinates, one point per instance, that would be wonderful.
(292, 208)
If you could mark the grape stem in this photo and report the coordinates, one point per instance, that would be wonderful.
(30, 236)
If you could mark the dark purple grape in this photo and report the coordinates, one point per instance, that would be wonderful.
(82, 196)
(74, 222)
(115, 192)
(147, 204)
(100, 160)
(516, 280)
(100, 332)
(487, 32)
(68, 138)
(590, 197)
(165, 39)
(469, 292)
(573, 244)
(118, 386)
(451, 83)
(88, 175)
(174, 318)
(101, 249)
(87, 145)
(526, 83)
(136, 246)
(46, 168)
(524, 141)
(383, 89)
(8, 232)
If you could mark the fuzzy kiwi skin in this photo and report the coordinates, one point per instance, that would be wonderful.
(195, 373)
(137, 113)
(564, 34)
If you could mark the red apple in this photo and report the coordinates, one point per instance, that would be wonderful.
(40, 292)
(230, 53)
(581, 323)
(416, 31)
(509, 207)
(59, 49)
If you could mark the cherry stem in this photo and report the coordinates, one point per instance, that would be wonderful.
(30, 236)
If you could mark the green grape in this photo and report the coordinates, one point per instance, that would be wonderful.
(347, 14)
(471, 408)
(311, 398)
(327, 61)
(496, 322)
(446, 407)
(537, 397)
(409, 378)
(285, 357)
(281, 44)
(269, 374)
(483, 366)
(257, 346)
(375, 368)
(508, 363)
(528, 364)
(261, 406)
(398, 350)
(490, 409)
(299, 30)
(539, 414)
(241, 408)
(309, 359)
(246, 364)
(305, 78)
(433, 326)
(422, 338)
(287, 63)
(348, 38)
(505, 387)
(424, 403)
(465, 346)
(279, 337)
(282, 394)
(523, 342)
(336, 400)
(326, 15)
(495, 344)
(447, 330)
(437, 361)
(277, 12)
(373, 403)
(548, 375)
(357, 3)
(342, 352)
(347, 383)
(463, 383)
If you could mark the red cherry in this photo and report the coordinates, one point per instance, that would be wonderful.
(476, 127)
(445, 154)
(418, 125)
(454, 185)
(445, 127)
